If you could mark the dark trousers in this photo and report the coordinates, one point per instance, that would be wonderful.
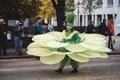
(3, 48)
(110, 44)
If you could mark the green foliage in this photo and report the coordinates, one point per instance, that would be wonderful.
(17, 9)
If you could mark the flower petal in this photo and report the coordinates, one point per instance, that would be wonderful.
(104, 49)
(103, 55)
(91, 35)
(78, 58)
(56, 44)
(52, 59)
(91, 46)
(33, 45)
(39, 52)
(61, 53)
(58, 35)
(75, 48)
(43, 37)
(90, 54)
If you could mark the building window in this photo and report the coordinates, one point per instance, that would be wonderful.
(99, 3)
(110, 2)
(119, 3)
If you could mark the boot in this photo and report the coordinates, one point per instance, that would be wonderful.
(74, 71)
(59, 71)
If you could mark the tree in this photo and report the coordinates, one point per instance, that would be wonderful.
(47, 10)
(18, 9)
(60, 11)
(90, 6)
(55, 8)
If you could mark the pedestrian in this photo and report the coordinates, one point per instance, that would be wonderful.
(110, 32)
(90, 28)
(3, 37)
(38, 26)
(44, 28)
(102, 28)
(17, 35)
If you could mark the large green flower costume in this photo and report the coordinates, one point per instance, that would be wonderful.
(52, 49)
(55, 47)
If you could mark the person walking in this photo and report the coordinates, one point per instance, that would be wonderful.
(3, 37)
(110, 32)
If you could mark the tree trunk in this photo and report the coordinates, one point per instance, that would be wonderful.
(60, 11)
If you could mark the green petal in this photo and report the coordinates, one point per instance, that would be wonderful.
(91, 46)
(95, 41)
(75, 48)
(33, 45)
(56, 44)
(53, 59)
(92, 35)
(61, 53)
(58, 35)
(39, 52)
(78, 58)
(90, 54)
(103, 55)
(43, 37)
(104, 49)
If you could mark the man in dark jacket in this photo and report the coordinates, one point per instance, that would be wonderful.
(3, 37)
(103, 28)
(90, 28)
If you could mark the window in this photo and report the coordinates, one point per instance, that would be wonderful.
(110, 2)
(118, 2)
(99, 3)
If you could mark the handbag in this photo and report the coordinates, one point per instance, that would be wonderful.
(9, 37)
(113, 39)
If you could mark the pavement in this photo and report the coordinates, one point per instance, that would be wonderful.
(11, 54)
(32, 69)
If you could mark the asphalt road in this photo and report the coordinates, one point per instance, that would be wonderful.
(32, 69)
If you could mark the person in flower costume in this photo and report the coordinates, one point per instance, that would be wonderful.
(59, 47)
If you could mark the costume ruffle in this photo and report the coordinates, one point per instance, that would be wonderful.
(51, 48)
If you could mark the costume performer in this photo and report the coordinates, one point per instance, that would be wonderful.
(55, 47)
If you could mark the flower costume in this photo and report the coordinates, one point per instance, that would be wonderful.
(55, 47)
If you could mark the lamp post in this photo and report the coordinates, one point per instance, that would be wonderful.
(78, 21)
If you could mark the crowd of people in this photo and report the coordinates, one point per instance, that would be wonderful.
(40, 28)
(17, 31)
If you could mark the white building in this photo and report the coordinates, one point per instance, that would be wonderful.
(108, 8)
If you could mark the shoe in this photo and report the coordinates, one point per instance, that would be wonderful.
(59, 71)
(74, 71)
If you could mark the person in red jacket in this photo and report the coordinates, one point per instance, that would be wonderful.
(111, 32)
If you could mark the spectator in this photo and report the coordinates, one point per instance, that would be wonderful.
(102, 29)
(111, 32)
(44, 28)
(17, 35)
(38, 26)
(90, 28)
(3, 37)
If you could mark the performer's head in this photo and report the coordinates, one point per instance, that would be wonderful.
(69, 26)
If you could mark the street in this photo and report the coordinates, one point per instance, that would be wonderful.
(32, 69)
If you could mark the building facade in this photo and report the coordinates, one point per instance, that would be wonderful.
(107, 9)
